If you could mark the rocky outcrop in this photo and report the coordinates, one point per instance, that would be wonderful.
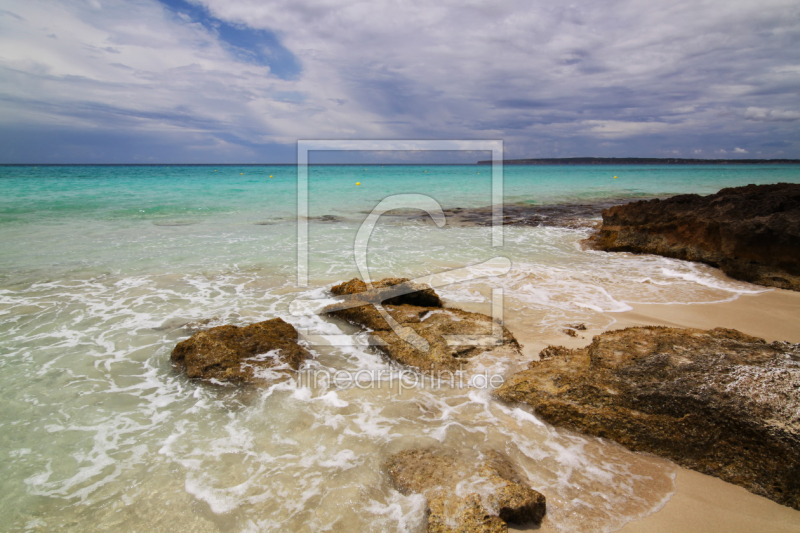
(718, 401)
(752, 233)
(240, 354)
(422, 333)
(467, 495)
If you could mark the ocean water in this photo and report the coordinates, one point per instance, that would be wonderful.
(102, 267)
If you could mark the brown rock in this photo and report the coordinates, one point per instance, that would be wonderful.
(383, 291)
(752, 233)
(573, 329)
(719, 401)
(237, 354)
(467, 494)
(423, 329)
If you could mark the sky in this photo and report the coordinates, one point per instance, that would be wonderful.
(240, 81)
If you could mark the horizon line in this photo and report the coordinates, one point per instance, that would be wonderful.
(588, 160)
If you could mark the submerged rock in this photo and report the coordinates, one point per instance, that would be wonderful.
(240, 354)
(467, 495)
(426, 335)
(523, 214)
(718, 401)
(752, 233)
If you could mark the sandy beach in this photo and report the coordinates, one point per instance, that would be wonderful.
(704, 503)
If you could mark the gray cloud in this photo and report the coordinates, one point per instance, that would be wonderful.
(616, 78)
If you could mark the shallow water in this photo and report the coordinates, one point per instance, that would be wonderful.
(102, 266)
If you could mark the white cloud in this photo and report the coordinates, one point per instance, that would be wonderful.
(771, 115)
(740, 150)
(619, 128)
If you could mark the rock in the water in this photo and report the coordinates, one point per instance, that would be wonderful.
(383, 291)
(425, 338)
(467, 495)
(718, 401)
(240, 354)
(752, 233)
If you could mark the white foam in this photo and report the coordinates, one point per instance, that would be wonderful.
(303, 394)
(524, 416)
(332, 399)
(270, 456)
(343, 460)
(217, 500)
(399, 512)
(713, 282)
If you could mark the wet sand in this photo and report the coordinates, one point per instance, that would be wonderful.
(704, 503)
(772, 315)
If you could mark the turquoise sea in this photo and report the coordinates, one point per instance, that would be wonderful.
(101, 267)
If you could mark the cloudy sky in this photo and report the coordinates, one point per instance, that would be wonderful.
(202, 81)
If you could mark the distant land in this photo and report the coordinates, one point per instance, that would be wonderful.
(642, 161)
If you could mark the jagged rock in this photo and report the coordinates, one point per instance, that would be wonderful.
(718, 401)
(424, 325)
(240, 354)
(467, 495)
(413, 293)
(752, 233)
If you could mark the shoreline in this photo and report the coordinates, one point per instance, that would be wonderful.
(701, 502)
(704, 503)
(772, 315)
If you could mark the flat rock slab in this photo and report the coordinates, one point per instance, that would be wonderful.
(717, 401)
(240, 354)
(752, 233)
(390, 291)
(467, 494)
(425, 331)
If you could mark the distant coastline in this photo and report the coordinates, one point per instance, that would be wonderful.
(642, 161)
